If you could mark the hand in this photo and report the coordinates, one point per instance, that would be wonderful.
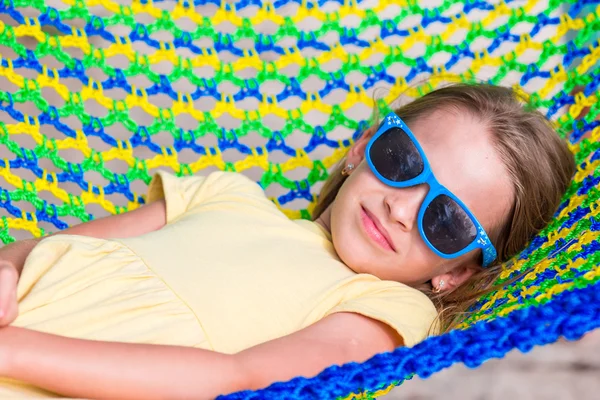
(9, 308)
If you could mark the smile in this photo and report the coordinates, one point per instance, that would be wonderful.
(374, 230)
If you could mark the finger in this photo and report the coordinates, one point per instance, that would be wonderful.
(12, 311)
(5, 305)
(8, 283)
(8, 272)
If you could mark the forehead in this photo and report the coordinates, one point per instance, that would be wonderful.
(464, 159)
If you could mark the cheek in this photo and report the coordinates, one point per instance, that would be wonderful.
(418, 263)
(346, 199)
(347, 239)
(343, 230)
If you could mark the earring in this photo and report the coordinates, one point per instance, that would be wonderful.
(347, 169)
(440, 286)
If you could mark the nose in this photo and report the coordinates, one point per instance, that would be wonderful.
(403, 205)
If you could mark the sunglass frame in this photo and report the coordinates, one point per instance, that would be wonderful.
(481, 241)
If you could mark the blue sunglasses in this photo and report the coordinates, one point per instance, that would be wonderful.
(445, 223)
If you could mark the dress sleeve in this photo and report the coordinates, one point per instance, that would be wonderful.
(184, 193)
(403, 308)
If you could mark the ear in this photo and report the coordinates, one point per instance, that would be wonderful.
(455, 277)
(357, 152)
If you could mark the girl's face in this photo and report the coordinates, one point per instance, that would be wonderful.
(374, 226)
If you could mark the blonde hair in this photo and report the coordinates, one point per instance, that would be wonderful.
(538, 161)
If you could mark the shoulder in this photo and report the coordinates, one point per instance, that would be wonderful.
(233, 180)
(213, 182)
(186, 192)
(403, 308)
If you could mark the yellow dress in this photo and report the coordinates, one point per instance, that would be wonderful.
(227, 272)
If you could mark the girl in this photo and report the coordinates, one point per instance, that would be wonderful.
(209, 289)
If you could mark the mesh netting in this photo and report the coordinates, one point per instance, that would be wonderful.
(97, 95)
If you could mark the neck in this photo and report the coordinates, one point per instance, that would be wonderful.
(325, 219)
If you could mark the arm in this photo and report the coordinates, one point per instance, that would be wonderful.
(142, 220)
(81, 368)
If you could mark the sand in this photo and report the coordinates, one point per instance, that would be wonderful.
(562, 371)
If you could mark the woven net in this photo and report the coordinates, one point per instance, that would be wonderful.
(97, 95)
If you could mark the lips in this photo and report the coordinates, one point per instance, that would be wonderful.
(375, 230)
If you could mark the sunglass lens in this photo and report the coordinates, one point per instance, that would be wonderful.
(447, 226)
(395, 156)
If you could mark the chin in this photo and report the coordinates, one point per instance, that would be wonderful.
(357, 254)
(360, 263)
(355, 260)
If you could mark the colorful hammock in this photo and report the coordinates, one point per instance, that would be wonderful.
(95, 95)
